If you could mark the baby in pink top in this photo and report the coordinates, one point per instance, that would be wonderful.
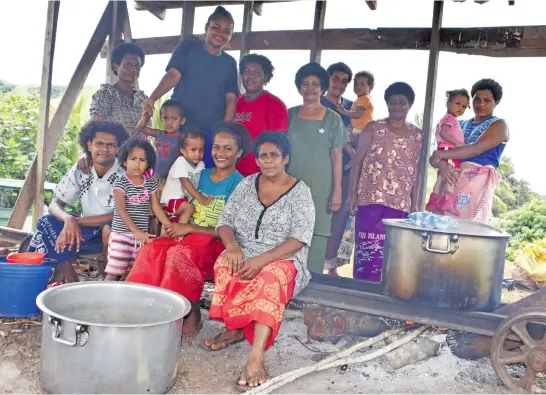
(448, 136)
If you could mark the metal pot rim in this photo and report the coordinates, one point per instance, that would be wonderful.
(498, 233)
(40, 302)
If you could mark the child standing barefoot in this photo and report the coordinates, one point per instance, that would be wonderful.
(133, 194)
(184, 177)
(448, 136)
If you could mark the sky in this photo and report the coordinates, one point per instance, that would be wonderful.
(21, 41)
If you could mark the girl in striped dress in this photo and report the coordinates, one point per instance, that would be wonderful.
(133, 194)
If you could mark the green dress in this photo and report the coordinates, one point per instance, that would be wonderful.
(311, 161)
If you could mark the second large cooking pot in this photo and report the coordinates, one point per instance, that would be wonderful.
(459, 270)
(110, 337)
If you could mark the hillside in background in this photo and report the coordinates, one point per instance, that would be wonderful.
(7, 88)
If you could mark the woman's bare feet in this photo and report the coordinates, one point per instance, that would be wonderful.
(224, 340)
(254, 373)
(333, 272)
(192, 323)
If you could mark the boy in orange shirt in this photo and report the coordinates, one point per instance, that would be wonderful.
(361, 112)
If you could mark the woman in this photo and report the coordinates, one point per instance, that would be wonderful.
(317, 136)
(485, 138)
(384, 179)
(183, 266)
(257, 109)
(341, 241)
(266, 227)
(121, 101)
(204, 78)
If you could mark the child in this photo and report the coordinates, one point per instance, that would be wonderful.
(361, 112)
(133, 195)
(183, 177)
(166, 141)
(448, 136)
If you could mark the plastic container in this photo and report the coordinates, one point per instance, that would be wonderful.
(26, 258)
(20, 284)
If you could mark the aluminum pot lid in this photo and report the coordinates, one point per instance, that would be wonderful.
(466, 228)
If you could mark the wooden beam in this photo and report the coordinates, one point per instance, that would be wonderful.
(318, 27)
(153, 7)
(58, 123)
(168, 5)
(45, 97)
(188, 18)
(247, 28)
(127, 32)
(114, 37)
(494, 41)
(372, 4)
(430, 93)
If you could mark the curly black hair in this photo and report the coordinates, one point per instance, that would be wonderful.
(120, 50)
(340, 66)
(368, 75)
(133, 143)
(450, 95)
(262, 60)
(220, 13)
(400, 88)
(313, 69)
(237, 131)
(91, 128)
(489, 84)
(191, 131)
(279, 139)
(173, 103)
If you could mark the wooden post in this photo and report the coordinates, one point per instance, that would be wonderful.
(127, 34)
(247, 28)
(58, 123)
(114, 37)
(245, 36)
(45, 96)
(318, 26)
(188, 18)
(430, 92)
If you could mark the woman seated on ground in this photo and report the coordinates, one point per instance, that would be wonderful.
(183, 265)
(267, 227)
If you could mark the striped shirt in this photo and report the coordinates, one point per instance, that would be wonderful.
(137, 203)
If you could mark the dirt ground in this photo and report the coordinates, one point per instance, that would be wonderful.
(206, 372)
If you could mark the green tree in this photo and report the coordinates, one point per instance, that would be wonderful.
(18, 126)
(526, 224)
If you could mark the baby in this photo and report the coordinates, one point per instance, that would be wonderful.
(448, 136)
(183, 177)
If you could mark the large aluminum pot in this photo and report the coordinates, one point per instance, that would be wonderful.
(460, 270)
(110, 337)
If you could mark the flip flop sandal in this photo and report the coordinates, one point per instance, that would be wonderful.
(217, 339)
(246, 387)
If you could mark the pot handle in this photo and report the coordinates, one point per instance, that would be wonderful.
(452, 244)
(81, 335)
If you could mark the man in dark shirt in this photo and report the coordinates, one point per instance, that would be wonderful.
(204, 78)
(340, 76)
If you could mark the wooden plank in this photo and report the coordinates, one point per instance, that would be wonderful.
(318, 27)
(127, 33)
(153, 7)
(58, 123)
(114, 37)
(247, 28)
(372, 5)
(497, 41)
(167, 5)
(430, 93)
(45, 97)
(188, 18)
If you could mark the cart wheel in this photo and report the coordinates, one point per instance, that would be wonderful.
(527, 328)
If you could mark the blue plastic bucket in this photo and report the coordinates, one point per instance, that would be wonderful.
(20, 285)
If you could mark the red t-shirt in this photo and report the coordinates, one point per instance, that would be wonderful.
(266, 113)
